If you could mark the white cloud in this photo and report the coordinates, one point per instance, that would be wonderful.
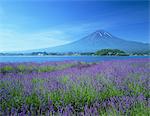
(12, 40)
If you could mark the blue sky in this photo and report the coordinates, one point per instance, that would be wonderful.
(39, 24)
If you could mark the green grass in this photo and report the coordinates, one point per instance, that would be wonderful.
(6, 69)
(22, 68)
(110, 91)
(46, 69)
(140, 110)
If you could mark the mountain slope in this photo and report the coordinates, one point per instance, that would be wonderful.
(99, 40)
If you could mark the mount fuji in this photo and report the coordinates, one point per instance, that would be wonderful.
(96, 41)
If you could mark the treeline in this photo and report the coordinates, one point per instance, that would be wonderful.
(111, 52)
(102, 52)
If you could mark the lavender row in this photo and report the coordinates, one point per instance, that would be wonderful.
(75, 88)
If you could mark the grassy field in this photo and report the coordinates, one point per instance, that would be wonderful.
(73, 88)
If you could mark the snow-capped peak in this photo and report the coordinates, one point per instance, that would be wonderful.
(102, 33)
(108, 34)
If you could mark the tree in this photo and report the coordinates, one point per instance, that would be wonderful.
(110, 52)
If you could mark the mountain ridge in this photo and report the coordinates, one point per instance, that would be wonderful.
(98, 40)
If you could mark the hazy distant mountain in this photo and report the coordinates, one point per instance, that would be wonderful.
(96, 41)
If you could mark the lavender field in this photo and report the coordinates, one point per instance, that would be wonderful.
(72, 88)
